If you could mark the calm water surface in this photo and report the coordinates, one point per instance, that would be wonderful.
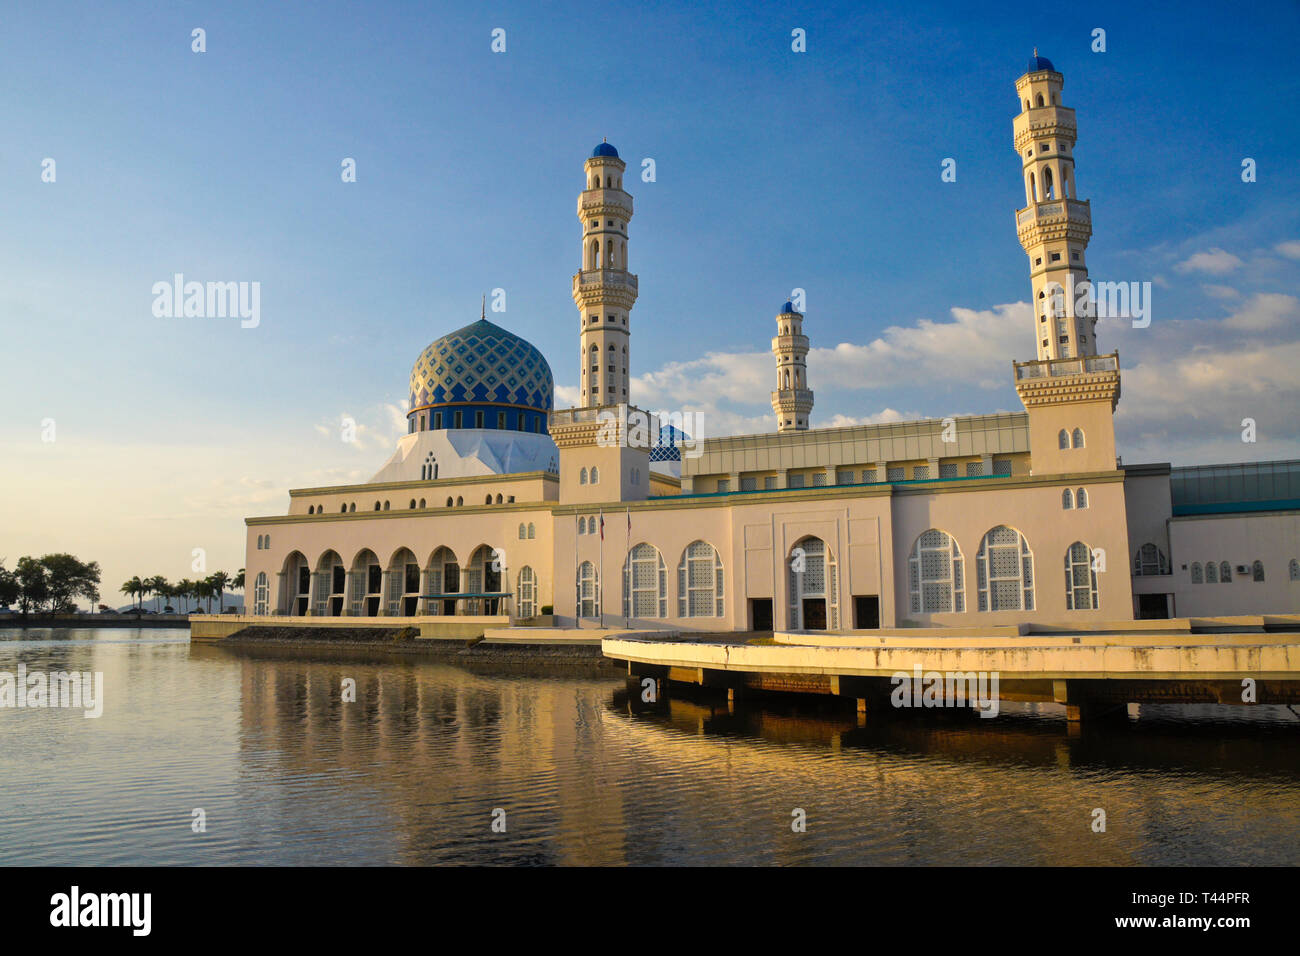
(411, 773)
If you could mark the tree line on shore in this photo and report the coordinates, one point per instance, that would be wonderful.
(52, 584)
(214, 586)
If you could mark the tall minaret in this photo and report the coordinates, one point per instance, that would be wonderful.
(792, 400)
(604, 291)
(1055, 225)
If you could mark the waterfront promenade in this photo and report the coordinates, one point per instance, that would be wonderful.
(1236, 660)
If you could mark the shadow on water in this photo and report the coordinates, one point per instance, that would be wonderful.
(1263, 741)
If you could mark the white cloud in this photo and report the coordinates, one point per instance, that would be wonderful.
(1220, 291)
(1290, 248)
(1215, 261)
(1264, 311)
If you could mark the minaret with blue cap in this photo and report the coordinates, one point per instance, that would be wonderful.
(792, 399)
(1055, 225)
(603, 289)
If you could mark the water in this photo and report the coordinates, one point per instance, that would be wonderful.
(412, 772)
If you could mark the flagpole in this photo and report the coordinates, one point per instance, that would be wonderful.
(627, 554)
(577, 578)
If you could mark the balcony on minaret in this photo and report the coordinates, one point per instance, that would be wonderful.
(1051, 381)
(1079, 210)
(608, 277)
(797, 343)
(604, 202)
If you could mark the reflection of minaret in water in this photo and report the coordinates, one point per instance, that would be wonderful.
(603, 290)
(1055, 226)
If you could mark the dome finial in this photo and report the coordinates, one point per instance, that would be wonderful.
(1035, 51)
(483, 311)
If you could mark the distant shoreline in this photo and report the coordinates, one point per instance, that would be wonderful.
(95, 620)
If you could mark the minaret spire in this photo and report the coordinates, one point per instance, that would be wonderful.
(604, 290)
(1055, 225)
(792, 399)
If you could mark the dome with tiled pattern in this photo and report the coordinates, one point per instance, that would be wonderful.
(482, 364)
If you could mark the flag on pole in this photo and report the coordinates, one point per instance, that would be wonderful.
(629, 522)
(602, 526)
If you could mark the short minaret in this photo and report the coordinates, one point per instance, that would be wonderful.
(604, 290)
(792, 400)
(1055, 225)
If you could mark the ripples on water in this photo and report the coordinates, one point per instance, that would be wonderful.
(411, 773)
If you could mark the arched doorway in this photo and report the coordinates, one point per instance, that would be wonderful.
(813, 587)
(483, 578)
(443, 578)
(295, 595)
(403, 589)
(367, 585)
(331, 585)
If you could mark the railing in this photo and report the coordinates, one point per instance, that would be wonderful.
(1078, 209)
(605, 276)
(621, 413)
(1052, 368)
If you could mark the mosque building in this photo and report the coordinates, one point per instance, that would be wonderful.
(497, 506)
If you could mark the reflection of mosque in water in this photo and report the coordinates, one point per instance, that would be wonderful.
(587, 776)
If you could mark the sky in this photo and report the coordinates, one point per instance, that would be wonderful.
(134, 439)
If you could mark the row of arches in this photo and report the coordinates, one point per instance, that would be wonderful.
(453, 501)
(699, 592)
(1221, 573)
(401, 587)
(613, 255)
(1076, 499)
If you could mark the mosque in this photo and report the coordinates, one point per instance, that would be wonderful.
(498, 507)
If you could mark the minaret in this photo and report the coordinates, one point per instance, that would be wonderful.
(1069, 391)
(604, 291)
(792, 400)
(1055, 225)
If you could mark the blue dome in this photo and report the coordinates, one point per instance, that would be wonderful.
(1039, 63)
(482, 364)
(788, 307)
(604, 149)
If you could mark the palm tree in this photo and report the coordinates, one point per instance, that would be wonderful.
(203, 591)
(133, 587)
(160, 588)
(219, 580)
(184, 589)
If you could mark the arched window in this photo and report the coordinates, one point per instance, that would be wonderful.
(1080, 579)
(1081, 498)
(386, 505)
(526, 601)
(1040, 99)
(1211, 573)
(1033, 188)
(449, 501)
(588, 590)
(1067, 499)
(352, 508)
(499, 499)
(460, 501)
(1257, 571)
(522, 531)
(1225, 572)
(699, 581)
(582, 477)
(934, 574)
(259, 542)
(595, 474)
(1063, 439)
(311, 509)
(488, 500)
(1294, 568)
(343, 508)
(412, 505)
(532, 530)
(261, 594)
(1005, 567)
(645, 583)
(1049, 191)
(376, 505)
(421, 502)
(582, 525)
(1197, 576)
(1077, 438)
(1150, 560)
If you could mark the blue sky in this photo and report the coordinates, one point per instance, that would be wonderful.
(775, 170)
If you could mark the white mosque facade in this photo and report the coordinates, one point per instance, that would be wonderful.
(497, 506)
